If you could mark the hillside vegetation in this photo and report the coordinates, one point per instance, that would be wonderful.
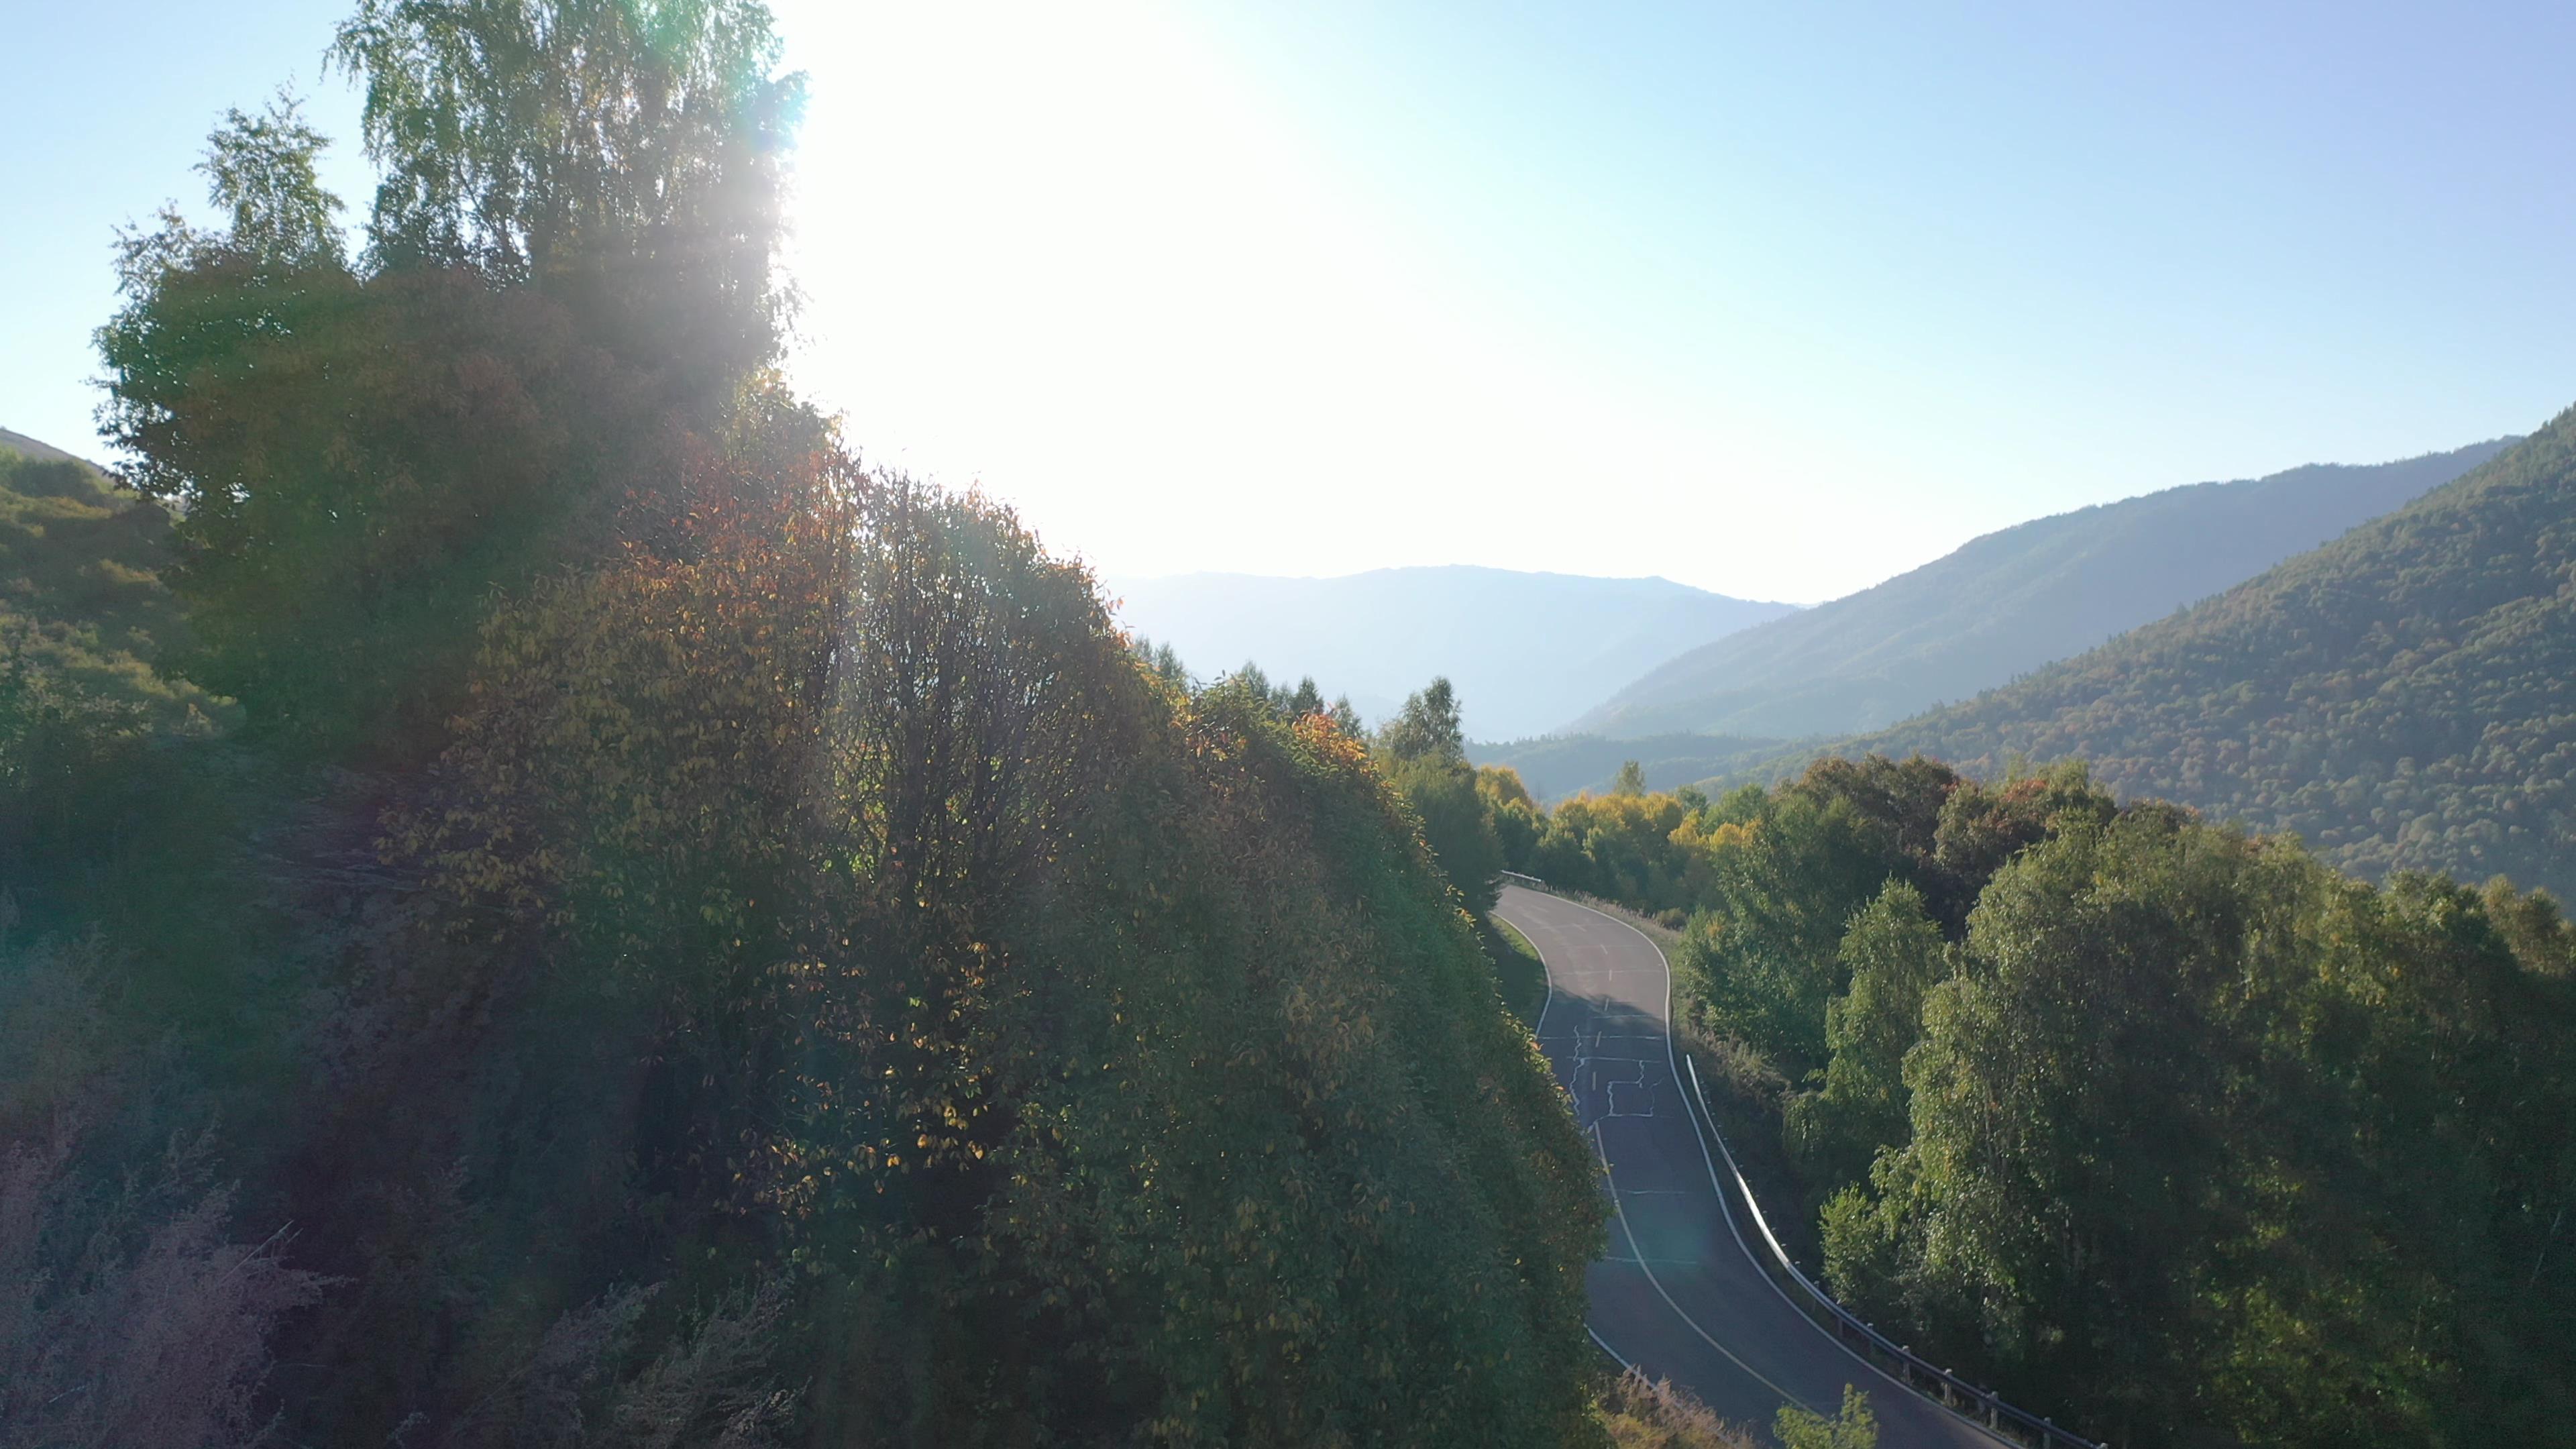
(691, 939)
(2403, 698)
(1523, 649)
(1553, 767)
(2007, 603)
(83, 612)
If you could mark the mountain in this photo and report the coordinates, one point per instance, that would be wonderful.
(2007, 603)
(1522, 648)
(2403, 697)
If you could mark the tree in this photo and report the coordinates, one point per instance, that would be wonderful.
(1516, 817)
(567, 291)
(1161, 661)
(1891, 954)
(1426, 728)
(625, 157)
(1424, 754)
(1456, 825)
(2193, 1109)
(1030, 999)
(261, 170)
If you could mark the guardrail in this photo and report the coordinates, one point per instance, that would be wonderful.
(1899, 1362)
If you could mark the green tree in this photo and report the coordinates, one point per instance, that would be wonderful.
(1426, 728)
(1892, 954)
(567, 295)
(1516, 817)
(625, 157)
(1456, 825)
(1424, 754)
(261, 170)
(2193, 1109)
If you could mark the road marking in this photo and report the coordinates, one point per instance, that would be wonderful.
(1601, 1150)
(1658, 1283)
(1727, 1210)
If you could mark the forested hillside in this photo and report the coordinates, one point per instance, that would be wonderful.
(2166, 1130)
(688, 938)
(1523, 649)
(2007, 603)
(83, 611)
(1553, 767)
(2403, 698)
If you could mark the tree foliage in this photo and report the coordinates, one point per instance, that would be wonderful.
(624, 155)
(704, 940)
(2168, 1129)
(1425, 756)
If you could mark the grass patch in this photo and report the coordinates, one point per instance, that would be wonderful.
(1637, 1414)
(1516, 965)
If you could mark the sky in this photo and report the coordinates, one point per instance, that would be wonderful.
(1773, 300)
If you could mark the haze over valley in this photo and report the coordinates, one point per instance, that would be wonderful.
(1377, 636)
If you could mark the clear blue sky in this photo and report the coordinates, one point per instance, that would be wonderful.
(1776, 300)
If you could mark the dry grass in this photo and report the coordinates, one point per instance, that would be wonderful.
(1638, 1414)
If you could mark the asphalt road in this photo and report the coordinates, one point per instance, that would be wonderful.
(1680, 1295)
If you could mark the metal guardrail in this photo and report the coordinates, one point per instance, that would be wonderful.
(1901, 1363)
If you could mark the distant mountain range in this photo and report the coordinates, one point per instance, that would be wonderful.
(2402, 698)
(2007, 603)
(1525, 650)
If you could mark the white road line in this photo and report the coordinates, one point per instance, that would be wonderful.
(1658, 1283)
(1727, 1210)
(1602, 1151)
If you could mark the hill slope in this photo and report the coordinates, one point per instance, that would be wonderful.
(2404, 697)
(1524, 649)
(27, 447)
(80, 599)
(2009, 602)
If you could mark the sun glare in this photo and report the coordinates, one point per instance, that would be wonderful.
(1067, 254)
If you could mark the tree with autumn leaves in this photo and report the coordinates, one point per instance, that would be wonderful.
(704, 939)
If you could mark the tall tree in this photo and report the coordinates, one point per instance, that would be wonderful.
(567, 290)
(1426, 728)
(623, 154)
(1892, 953)
(1425, 756)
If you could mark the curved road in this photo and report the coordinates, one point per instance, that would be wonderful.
(1680, 1295)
